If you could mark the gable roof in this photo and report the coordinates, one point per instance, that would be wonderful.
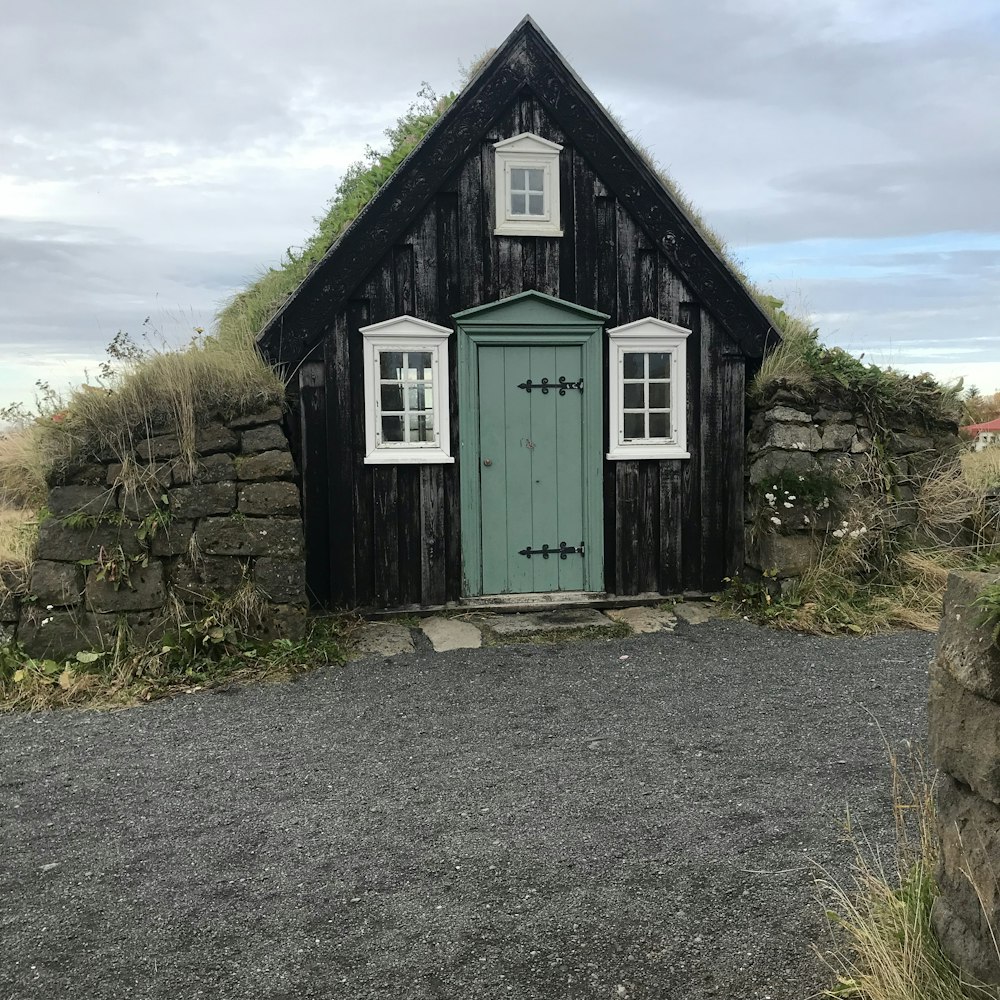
(525, 59)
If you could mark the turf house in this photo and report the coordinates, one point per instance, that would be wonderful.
(522, 369)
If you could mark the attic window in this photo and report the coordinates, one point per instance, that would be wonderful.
(647, 401)
(406, 392)
(527, 186)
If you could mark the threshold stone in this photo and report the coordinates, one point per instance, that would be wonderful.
(548, 621)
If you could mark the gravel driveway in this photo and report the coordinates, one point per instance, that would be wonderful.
(617, 818)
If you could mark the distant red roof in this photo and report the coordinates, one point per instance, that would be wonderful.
(990, 425)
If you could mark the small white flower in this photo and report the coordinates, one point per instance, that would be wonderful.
(775, 520)
(263, 532)
(843, 524)
(48, 607)
(839, 533)
(854, 533)
(769, 497)
(792, 496)
(862, 529)
(789, 506)
(802, 479)
(45, 621)
(805, 520)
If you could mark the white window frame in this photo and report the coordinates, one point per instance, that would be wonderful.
(530, 152)
(406, 333)
(646, 336)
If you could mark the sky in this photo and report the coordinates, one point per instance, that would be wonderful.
(155, 157)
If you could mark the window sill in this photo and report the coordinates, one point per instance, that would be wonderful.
(527, 229)
(401, 456)
(656, 451)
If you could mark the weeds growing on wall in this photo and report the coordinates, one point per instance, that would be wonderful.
(218, 647)
(884, 561)
(883, 944)
(803, 365)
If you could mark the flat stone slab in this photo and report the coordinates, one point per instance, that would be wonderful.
(383, 639)
(547, 621)
(645, 619)
(451, 633)
(696, 612)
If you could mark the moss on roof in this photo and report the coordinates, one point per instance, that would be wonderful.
(249, 311)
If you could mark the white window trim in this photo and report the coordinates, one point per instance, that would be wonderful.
(406, 333)
(648, 335)
(531, 152)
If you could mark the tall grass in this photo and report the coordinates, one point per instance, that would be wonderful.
(884, 946)
(872, 572)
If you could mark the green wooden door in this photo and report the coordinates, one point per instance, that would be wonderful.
(532, 468)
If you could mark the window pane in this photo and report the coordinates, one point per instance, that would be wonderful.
(517, 204)
(536, 204)
(517, 179)
(535, 180)
(634, 397)
(659, 366)
(635, 425)
(392, 397)
(658, 395)
(391, 364)
(632, 365)
(659, 425)
(392, 429)
(419, 398)
(418, 365)
(422, 426)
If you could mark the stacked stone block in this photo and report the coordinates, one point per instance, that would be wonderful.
(964, 721)
(135, 546)
(819, 436)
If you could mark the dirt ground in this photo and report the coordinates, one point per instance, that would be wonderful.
(627, 818)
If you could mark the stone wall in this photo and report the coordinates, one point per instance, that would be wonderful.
(141, 541)
(804, 453)
(964, 720)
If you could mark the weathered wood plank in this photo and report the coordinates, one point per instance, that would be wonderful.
(648, 527)
(648, 292)
(402, 279)
(627, 240)
(409, 524)
(314, 460)
(385, 535)
(671, 525)
(490, 246)
(359, 315)
(734, 460)
(423, 239)
(713, 475)
(584, 227)
(627, 520)
(469, 227)
(342, 447)
(433, 547)
(606, 239)
(689, 316)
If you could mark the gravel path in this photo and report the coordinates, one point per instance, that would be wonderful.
(529, 821)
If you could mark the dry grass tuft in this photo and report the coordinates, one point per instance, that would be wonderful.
(22, 470)
(884, 946)
(170, 391)
(18, 532)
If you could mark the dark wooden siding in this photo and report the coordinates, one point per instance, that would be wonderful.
(388, 536)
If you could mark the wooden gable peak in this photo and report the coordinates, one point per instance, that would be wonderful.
(525, 60)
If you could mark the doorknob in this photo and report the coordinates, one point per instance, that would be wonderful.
(487, 462)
